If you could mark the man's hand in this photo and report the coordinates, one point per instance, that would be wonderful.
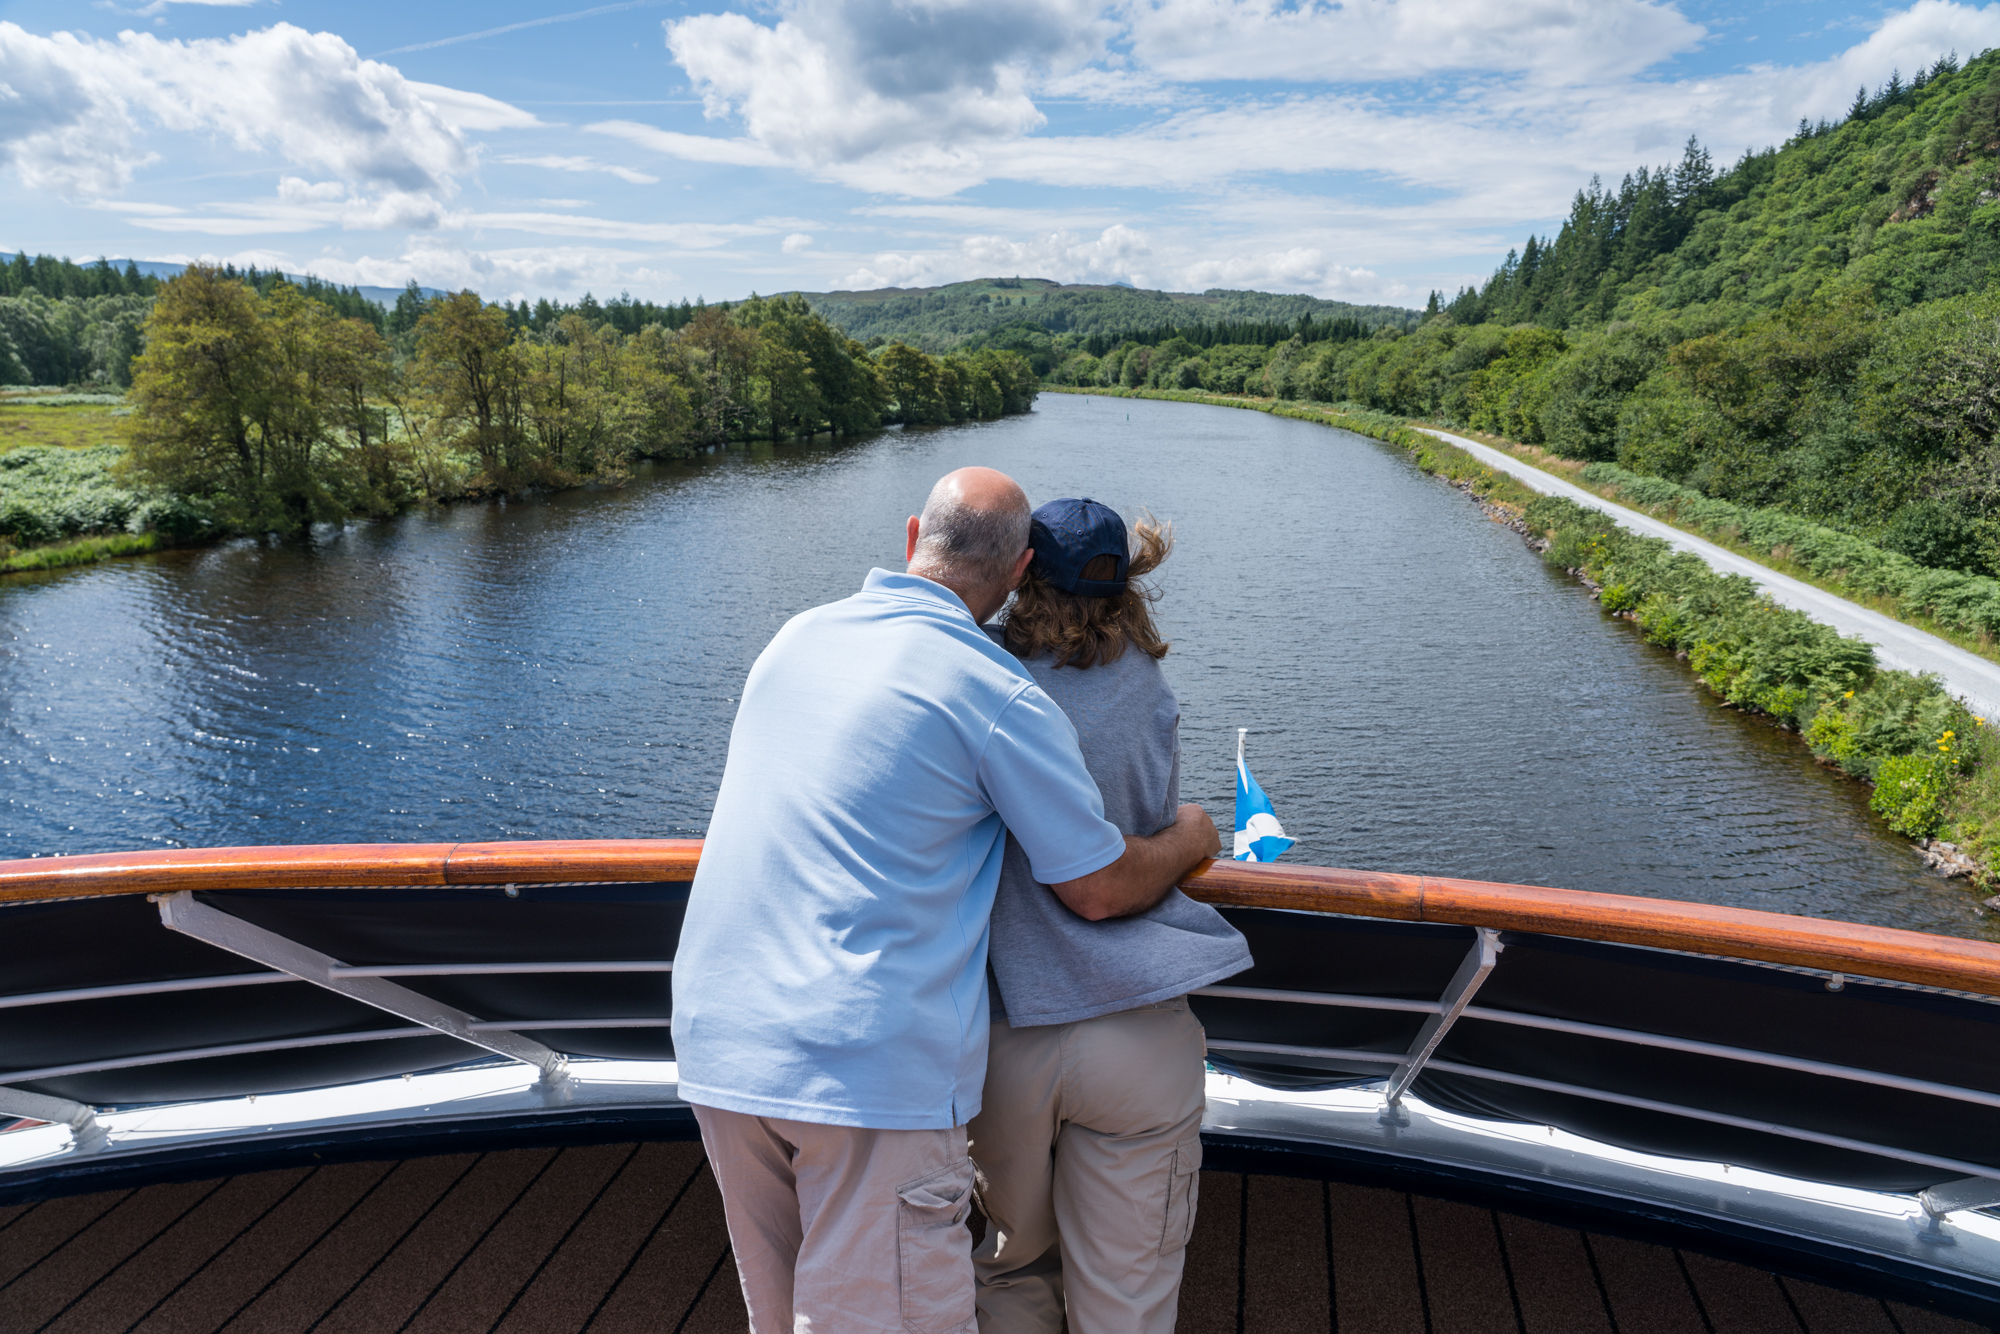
(1149, 868)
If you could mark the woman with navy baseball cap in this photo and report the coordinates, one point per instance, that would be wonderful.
(1089, 1146)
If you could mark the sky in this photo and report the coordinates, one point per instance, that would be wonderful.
(1366, 150)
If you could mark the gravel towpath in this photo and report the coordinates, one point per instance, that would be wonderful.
(1897, 645)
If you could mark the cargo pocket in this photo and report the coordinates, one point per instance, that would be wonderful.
(1183, 1192)
(934, 1251)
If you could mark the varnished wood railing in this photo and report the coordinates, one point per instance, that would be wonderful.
(1738, 933)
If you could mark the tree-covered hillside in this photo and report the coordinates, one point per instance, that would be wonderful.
(1892, 200)
(940, 318)
(1816, 328)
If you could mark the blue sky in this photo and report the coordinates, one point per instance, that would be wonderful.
(1369, 150)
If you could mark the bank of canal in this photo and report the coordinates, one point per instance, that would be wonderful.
(1424, 694)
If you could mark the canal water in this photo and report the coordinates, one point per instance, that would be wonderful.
(1423, 694)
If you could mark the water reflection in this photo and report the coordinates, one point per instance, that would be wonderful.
(1424, 694)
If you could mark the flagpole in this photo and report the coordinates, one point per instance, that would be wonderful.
(1241, 732)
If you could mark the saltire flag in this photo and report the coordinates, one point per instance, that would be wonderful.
(1259, 836)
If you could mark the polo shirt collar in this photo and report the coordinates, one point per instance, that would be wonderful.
(915, 587)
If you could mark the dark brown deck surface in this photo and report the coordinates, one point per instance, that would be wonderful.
(630, 1238)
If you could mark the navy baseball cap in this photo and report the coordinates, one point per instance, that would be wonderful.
(1069, 534)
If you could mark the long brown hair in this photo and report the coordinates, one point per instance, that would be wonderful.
(1083, 632)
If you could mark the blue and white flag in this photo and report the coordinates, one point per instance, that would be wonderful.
(1259, 836)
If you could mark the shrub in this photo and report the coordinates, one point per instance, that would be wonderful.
(1833, 735)
(1910, 793)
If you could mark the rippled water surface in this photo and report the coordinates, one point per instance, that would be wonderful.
(1424, 694)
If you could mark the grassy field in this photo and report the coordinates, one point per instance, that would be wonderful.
(62, 502)
(81, 551)
(58, 419)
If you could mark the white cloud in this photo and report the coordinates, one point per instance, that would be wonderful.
(63, 121)
(1298, 269)
(303, 206)
(1545, 92)
(120, 206)
(1359, 40)
(472, 112)
(505, 273)
(556, 162)
(929, 97)
(796, 243)
(1107, 87)
(208, 224)
(1117, 254)
(882, 92)
(690, 147)
(73, 109)
(683, 235)
(991, 217)
(161, 6)
(295, 191)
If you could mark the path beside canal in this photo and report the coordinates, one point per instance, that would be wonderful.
(1896, 645)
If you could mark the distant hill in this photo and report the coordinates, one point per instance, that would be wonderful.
(940, 318)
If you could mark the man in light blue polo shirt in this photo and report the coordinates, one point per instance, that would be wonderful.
(830, 1014)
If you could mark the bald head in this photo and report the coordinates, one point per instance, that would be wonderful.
(973, 535)
(985, 489)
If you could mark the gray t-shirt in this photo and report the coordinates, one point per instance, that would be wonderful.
(1050, 965)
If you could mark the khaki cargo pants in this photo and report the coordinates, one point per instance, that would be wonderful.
(1088, 1152)
(845, 1231)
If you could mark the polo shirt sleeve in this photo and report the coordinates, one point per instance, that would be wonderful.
(1034, 775)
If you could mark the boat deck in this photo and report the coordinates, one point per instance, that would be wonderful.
(622, 1237)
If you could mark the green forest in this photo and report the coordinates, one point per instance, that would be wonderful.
(1814, 329)
(261, 406)
(1047, 320)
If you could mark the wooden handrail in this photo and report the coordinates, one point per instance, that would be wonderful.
(1736, 933)
(1626, 919)
(328, 865)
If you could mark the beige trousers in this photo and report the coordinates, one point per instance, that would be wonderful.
(1088, 1150)
(838, 1230)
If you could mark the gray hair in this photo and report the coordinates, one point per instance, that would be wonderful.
(965, 545)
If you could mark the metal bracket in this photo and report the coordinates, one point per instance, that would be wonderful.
(81, 1118)
(180, 912)
(1965, 1193)
(1458, 994)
